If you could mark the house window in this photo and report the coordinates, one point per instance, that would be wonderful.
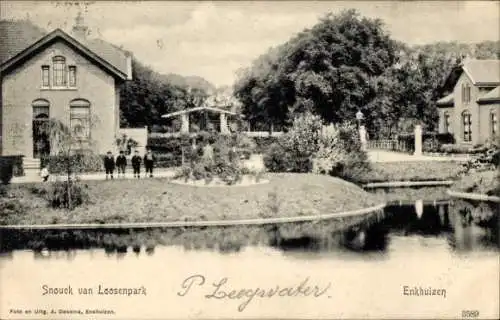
(466, 93)
(45, 76)
(447, 123)
(467, 126)
(80, 119)
(72, 76)
(59, 71)
(493, 123)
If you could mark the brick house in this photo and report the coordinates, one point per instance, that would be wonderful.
(70, 78)
(471, 111)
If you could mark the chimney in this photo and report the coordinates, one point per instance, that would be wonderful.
(80, 29)
(129, 66)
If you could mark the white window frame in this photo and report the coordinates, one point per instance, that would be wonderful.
(75, 116)
(70, 68)
(493, 123)
(467, 134)
(45, 68)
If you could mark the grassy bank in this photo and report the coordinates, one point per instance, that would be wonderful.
(412, 194)
(486, 182)
(157, 200)
(412, 171)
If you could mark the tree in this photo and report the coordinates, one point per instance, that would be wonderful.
(347, 63)
(71, 153)
(326, 70)
(149, 95)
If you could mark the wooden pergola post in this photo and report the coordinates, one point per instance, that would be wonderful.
(185, 123)
(223, 123)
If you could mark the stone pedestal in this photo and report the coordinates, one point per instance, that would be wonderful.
(362, 137)
(418, 140)
(419, 208)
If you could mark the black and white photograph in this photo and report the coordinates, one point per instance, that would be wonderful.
(249, 160)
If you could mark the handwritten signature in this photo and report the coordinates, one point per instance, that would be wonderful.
(222, 290)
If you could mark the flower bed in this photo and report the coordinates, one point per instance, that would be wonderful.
(244, 180)
(157, 200)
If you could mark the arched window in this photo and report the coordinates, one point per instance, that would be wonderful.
(447, 122)
(40, 134)
(41, 108)
(80, 118)
(467, 126)
(493, 123)
(59, 67)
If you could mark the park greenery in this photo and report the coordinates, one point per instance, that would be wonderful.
(311, 87)
(347, 63)
(217, 158)
(310, 146)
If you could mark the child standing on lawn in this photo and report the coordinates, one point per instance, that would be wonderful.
(109, 164)
(149, 162)
(121, 163)
(44, 174)
(136, 164)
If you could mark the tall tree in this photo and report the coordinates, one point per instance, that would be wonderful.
(326, 70)
(150, 95)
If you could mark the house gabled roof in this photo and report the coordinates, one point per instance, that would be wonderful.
(110, 58)
(446, 101)
(483, 72)
(490, 97)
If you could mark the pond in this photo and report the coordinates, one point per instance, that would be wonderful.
(449, 247)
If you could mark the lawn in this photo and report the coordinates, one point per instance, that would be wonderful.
(157, 200)
(412, 171)
(485, 182)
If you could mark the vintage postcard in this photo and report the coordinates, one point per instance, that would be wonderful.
(249, 159)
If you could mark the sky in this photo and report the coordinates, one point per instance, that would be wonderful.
(215, 39)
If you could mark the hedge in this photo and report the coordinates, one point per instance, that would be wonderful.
(263, 143)
(80, 163)
(11, 166)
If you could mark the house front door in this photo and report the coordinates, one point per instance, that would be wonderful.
(41, 142)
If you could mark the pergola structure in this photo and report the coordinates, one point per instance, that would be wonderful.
(184, 116)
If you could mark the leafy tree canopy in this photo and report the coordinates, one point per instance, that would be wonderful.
(347, 63)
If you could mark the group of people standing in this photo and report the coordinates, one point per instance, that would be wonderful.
(110, 164)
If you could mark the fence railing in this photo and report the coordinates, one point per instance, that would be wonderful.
(391, 145)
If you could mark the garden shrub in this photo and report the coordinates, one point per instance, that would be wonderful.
(11, 210)
(340, 154)
(77, 163)
(223, 162)
(58, 194)
(304, 135)
(168, 160)
(10, 166)
(280, 158)
(6, 171)
(294, 150)
(309, 146)
(244, 145)
(262, 144)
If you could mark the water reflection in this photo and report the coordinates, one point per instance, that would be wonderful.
(461, 226)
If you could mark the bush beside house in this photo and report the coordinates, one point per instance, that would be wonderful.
(10, 166)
